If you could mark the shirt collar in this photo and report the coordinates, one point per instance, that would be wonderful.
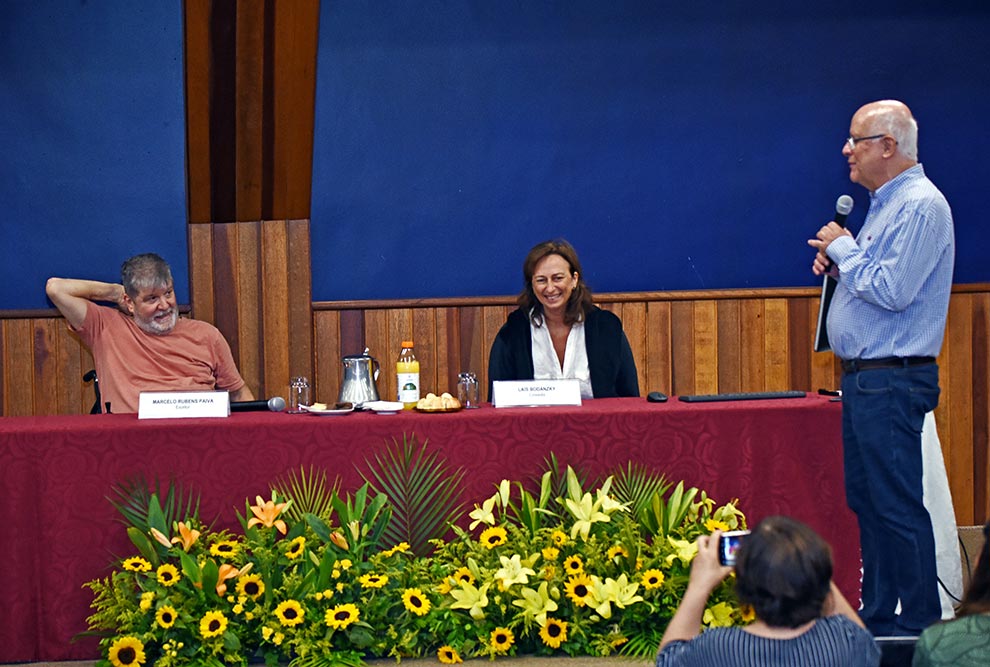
(883, 194)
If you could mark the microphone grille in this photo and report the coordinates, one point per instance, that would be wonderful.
(276, 404)
(844, 204)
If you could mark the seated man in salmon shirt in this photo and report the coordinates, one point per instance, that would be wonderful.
(143, 344)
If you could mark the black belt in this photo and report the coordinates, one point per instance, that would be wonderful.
(854, 365)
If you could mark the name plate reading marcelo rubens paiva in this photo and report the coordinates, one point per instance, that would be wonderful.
(525, 393)
(178, 404)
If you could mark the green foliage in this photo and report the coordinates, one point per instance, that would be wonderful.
(324, 591)
(309, 492)
(422, 491)
(133, 499)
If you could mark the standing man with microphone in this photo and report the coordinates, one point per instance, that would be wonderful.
(886, 324)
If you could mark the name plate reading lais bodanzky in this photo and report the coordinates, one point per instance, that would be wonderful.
(534, 393)
(179, 404)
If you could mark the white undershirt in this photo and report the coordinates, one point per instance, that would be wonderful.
(546, 366)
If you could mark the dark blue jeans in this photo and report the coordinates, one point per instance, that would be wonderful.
(883, 411)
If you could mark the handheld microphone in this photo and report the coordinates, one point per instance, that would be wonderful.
(843, 207)
(275, 404)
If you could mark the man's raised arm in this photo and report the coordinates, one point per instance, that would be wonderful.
(70, 296)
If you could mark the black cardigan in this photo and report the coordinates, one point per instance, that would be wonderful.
(610, 360)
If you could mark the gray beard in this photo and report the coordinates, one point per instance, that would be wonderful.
(153, 327)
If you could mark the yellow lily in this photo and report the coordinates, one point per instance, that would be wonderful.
(484, 514)
(513, 572)
(684, 550)
(266, 513)
(536, 604)
(719, 615)
(618, 591)
(585, 512)
(473, 599)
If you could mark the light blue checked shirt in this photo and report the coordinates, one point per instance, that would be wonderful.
(896, 276)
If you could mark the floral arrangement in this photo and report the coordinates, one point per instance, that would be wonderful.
(556, 570)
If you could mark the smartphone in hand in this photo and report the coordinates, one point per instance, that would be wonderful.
(728, 545)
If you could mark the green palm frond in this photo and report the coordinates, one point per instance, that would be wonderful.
(423, 492)
(636, 485)
(309, 493)
(643, 644)
(138, 500)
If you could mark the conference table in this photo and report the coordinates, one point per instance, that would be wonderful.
(781, 456)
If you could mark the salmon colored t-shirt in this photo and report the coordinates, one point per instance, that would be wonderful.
(192, 357)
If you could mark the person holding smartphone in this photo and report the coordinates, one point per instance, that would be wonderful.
(784, 572)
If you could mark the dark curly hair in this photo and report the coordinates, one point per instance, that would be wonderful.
(784, 571)
(580, 300)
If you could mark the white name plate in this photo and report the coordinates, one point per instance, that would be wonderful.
(520, 393)
(178, 404)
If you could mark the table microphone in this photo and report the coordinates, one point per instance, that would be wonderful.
(275, 404)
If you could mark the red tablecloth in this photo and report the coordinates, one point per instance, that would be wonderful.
(778, 457)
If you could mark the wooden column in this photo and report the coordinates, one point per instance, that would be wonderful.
(250, 94)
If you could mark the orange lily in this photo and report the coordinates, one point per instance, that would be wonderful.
(187, 537)
(266, 513)
(160, 537)
(228, 571)
(339, 540)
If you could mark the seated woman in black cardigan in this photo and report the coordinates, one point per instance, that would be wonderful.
(558, 333)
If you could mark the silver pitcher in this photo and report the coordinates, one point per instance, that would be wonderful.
(360, 373)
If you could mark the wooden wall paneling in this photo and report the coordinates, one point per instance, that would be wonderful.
(74, 396)
(201, 272)
(198, 72)
(18, 368)
(658, 370)
(799, 346)
(429, 351)
(296, 26)
(376, 339)
(244, 292)
(981, 406)
(249, 78)
(753, 345)
(300, 298)
(223, 103)
(46, 369)
(446, 359)
(729, 344)
(5, 382)
(682, 347)
(275, 334)
(776, 361)
(634, 323)
(494, 317)
(352, 332)
(225, 253)
(823, 364)
(400, 328)
(327, 354)
(954, 413)
(705, 347)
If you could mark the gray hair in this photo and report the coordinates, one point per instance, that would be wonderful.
(146, 271)
(894, 118)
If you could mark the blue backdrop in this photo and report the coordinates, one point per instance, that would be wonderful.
(677, 145)
(92, 142)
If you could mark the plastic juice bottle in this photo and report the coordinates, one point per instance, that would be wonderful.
(407, 374)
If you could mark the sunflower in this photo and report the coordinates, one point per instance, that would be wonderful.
(553, 632)
(550, 553)
(747, 613)
(501, 640)
(652, 579)
(136, 564)
(578, 589)
(415, 601)
(251, 585)
(341, 616)
(559, 538)
(463, 574)
(573, 565)
(166, 616)
(225, 549)
(617, 550)
(372, 580)
(126, 651)
(493, 537)
(711, 525)
(448, 655)
(289, 613)
(296, 547)
(213, 624)
(168, 575)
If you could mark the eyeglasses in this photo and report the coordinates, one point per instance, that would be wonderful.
(852, 141)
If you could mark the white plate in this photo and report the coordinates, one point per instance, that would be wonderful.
(383, 407)
(314, 411)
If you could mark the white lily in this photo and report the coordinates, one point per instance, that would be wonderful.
(536, 604)
(513, 571)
